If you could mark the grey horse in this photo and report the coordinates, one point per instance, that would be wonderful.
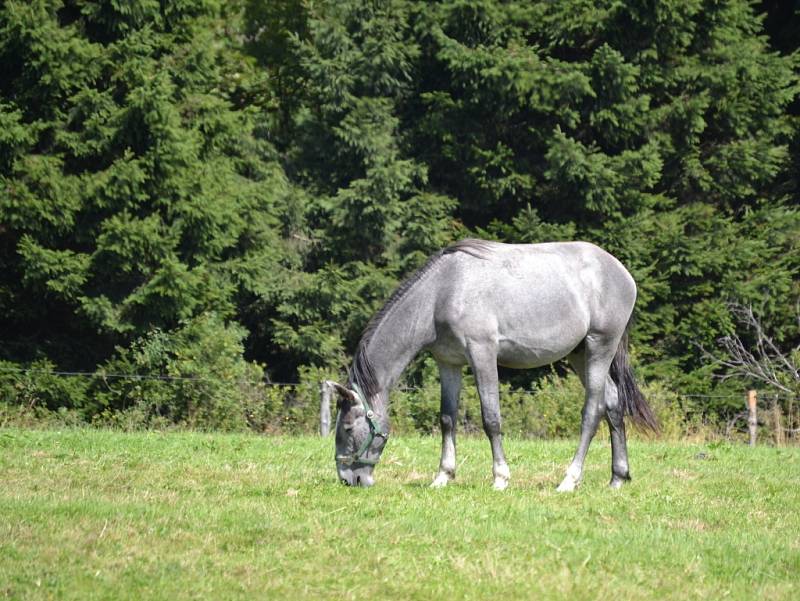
(485, 304)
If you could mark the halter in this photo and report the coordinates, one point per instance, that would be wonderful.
(374, 430)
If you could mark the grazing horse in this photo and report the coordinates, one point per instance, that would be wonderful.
(485, 304)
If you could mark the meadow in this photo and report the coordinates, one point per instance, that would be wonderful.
(95, 514)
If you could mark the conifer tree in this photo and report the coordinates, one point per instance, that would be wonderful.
(136, 194)
(183, 179)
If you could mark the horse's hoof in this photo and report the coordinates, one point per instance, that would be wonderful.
(618, 481)
(500, 484)
(440, 481)
(567, 485)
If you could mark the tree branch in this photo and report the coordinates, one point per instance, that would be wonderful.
(764, 360)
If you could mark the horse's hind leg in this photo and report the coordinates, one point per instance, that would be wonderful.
(619, 446)
(614, 418)
(483, 360)
(450, 377)
(598, 353)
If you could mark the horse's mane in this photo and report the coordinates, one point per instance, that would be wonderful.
(362, 371)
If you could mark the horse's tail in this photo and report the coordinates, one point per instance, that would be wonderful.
(631, 398)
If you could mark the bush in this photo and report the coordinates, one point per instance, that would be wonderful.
(416, 409)
(21, 416)
(667, 406)
(204, 381)
(35, 386)
(551, 410)
(264, 411)
(300, 410)
(558, 402)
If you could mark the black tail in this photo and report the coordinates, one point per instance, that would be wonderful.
(632, 399)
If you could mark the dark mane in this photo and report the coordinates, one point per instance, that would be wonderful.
(362, 371)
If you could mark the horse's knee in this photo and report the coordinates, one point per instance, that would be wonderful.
(614, 412)
(447, 422)
(616, 419)
(592, 413)
(492, 424)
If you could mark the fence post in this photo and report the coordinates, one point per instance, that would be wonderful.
(752, 419)
(777, 418)
(324, 408)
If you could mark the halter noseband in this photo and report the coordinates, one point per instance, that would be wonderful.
(374, 430)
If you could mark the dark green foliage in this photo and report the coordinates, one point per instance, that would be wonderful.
(138, 195)
(205, 382)
(35, 388)
(136, 198)
(209, 184)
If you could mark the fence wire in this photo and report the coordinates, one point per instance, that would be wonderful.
(267, 382)
(137, 377)
(733, 423)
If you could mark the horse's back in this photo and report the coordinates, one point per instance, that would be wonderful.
(535, 302)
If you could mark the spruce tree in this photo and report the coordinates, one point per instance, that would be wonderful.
(136, 193)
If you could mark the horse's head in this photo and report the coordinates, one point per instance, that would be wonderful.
(360, 437)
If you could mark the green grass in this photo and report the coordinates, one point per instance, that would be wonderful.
(87, 514)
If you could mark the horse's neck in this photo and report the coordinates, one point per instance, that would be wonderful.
(405, 330)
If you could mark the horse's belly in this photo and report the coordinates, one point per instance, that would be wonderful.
(524, 355)
(535, 334)
(520, 347)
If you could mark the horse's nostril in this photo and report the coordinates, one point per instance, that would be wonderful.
(358, 480)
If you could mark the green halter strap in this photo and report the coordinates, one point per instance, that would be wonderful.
(374, 430)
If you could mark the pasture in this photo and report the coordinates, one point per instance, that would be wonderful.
(92, 514)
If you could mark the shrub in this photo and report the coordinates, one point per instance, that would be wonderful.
(300, 410)
(35, 386)
(552, 409)
(204, 381)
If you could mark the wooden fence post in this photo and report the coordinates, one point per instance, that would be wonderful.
(752, 419)
(777, 419)
(324, 408)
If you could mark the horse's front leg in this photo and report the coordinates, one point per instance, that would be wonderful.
(450, 377)
(483, 360)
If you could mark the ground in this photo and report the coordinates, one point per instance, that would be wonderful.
(89, 514)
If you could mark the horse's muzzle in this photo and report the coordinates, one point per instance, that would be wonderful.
(357, 477)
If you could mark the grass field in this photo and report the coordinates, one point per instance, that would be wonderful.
(87, 514)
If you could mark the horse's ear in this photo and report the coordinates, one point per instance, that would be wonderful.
(344, 393)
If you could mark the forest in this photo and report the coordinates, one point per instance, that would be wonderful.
(201, 199)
